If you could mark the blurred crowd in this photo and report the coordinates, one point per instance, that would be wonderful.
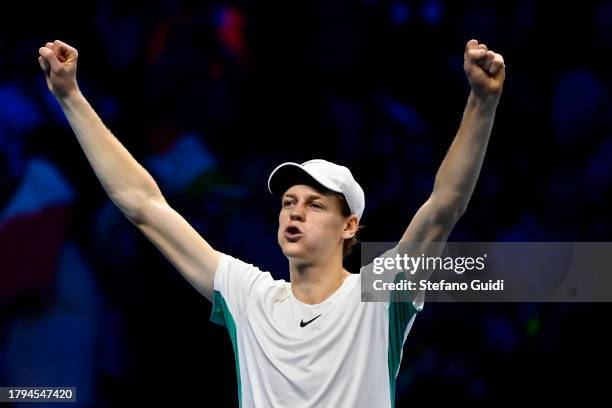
(210, 96)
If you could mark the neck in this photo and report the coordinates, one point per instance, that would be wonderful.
(313, 283)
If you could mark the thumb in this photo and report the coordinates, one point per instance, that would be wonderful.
(50, 58)
(44, 65)
(471, 44)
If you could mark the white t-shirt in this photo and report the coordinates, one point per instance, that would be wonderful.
(339, 353)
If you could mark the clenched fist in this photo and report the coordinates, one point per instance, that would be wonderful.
(59, 62)
(485, 70)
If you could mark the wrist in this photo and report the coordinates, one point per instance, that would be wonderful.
(70, 99)
(483, 103)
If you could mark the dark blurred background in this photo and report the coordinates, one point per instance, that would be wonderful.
(210, 97)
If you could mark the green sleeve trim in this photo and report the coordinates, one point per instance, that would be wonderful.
(401, 311)
(219, 309)
(221, 315)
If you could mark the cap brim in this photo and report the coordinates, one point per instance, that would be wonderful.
(289, 174)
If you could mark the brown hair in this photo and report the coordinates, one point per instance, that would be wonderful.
(349, 243)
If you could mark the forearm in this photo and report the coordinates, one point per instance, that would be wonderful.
(126, 182)
(457, 176)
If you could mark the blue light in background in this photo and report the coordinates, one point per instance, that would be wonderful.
(432, 12)
(499, 334)
(18, 113)
(576, 99)
(399, 12)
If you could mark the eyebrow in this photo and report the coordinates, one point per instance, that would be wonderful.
(308, 197)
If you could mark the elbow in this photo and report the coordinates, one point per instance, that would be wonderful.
(134, 205)
(460, 211)
(450, 216)
(448, 210)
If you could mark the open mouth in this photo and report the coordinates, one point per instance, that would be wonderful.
(293, 233)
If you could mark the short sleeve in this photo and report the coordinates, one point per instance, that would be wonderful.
(402, 312)
(235, 286)
(401, 307)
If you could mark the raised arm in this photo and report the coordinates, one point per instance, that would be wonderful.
(125, 181)
(458, 173)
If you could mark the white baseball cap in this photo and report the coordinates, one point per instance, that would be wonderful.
(330, 175)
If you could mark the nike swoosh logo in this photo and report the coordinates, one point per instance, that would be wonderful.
(304, 324)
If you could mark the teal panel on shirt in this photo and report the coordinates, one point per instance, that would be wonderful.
(221, 315)
(401, 311)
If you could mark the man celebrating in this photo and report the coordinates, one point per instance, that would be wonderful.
(309, 342)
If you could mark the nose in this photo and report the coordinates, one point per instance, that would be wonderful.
(297, 213)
